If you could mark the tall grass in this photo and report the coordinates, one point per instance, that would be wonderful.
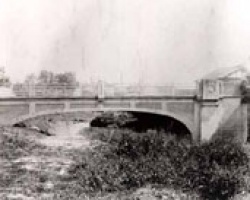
(128, 161)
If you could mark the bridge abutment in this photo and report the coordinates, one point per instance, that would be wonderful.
(196, 135)
(222, 112)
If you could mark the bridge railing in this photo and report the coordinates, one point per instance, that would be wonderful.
(101, 90)
(149, 90)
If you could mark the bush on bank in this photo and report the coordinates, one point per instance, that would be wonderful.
(128, 161)
(216, 170)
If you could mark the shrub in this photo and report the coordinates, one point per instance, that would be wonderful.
(219, 184)
(215, 169)
(129, 161)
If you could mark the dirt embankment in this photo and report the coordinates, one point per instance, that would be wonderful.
(32, 163)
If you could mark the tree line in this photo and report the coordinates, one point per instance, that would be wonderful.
(47, 83)
(46, 77)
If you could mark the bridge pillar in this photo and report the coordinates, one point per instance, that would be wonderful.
(100, 90)
(208, 108)
(67, 105)
(197, 128)
(245, 121)
(210, 120)
(132, 104)
(222, 113)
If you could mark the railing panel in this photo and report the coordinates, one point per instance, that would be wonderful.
(120, 90)
(231, 88)
(105, 90)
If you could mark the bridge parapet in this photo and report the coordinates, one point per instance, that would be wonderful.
(216, 89)
(222, 109)
(102, 90)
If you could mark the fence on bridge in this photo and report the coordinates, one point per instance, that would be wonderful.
(101, 89)
(149, 90)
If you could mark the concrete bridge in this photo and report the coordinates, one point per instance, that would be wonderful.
(14, 110)
(218, 106)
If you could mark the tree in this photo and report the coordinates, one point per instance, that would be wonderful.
(67, 78)
(46, 77)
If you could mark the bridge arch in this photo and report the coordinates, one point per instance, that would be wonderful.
(188, 123)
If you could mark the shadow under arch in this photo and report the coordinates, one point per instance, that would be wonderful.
(139, 121)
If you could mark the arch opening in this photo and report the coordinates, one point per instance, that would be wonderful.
(142, 122)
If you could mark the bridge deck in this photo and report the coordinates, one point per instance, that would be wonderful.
(3, 99)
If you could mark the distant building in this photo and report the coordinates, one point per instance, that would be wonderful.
(237, 72)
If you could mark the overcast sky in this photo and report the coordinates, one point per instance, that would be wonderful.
(123, 40)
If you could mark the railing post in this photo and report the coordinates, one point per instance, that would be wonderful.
(172, 90)
(132, 104)
(100, 90)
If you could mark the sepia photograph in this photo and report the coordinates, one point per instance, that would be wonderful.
(124, 100)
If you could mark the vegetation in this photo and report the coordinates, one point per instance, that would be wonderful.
(49, 78)
(122, 164)
(47, 83)
(214, 170)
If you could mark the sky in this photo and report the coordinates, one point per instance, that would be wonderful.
(146, 41)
